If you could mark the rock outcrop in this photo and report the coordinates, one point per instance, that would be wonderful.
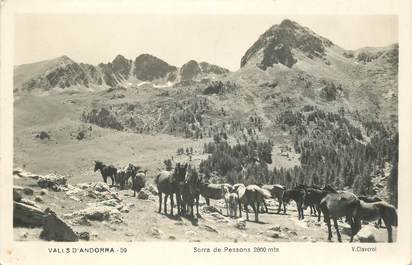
(55, 229)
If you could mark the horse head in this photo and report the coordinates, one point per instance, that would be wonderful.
(97, 165)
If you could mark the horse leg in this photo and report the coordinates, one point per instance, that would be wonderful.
(256, 210)
(298, 208)
(160, 202)
(335, 223)
(192, 202)
(172, 204)
(165, 203)
(207, 201)
(180, 203)
(227, 206)
(197, 205)
(319, 212)
(327, 221)
(280, 204)
(246, 210)
(389, 229)
(301, 210)
(356, 224)
(266, 207)
(240, 207)
(379, 223)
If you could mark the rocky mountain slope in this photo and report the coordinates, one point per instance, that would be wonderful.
(63, 72)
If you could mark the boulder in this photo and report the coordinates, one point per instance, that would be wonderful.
(28, 191)
(152, 189)
(38, 199)
(275, 235)
(81, 220)
(292, 233)
(100, 187)
(26, 215)
(156, 232)
(53, 182)
(16, 195)
(99, 213)
(209, 228)
(240, 224)
(55, 229)
(365, 235)
(84, 235)
(276, 228)
(143, 195)
(73, 190)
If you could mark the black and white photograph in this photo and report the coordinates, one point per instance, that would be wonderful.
(205, 128)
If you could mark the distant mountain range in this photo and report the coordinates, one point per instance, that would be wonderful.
(63, 72)
(287, 54)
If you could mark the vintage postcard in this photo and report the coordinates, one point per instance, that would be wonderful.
(180, 132)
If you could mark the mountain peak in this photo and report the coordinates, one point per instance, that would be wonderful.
(287, 23)
(280, 43)
(148, 68)
(119, 58)
(190, 70)
(63, 59)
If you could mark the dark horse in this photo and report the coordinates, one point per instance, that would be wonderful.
(297, 195)
(376, 210)
(313, 196)
(371, 199)
(313, 209)
(190, 192)
(277, 192)
(106, 171)
(213, 191)
(168, 182)
(337, 204)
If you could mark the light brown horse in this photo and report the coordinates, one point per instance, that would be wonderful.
(375, 210)
(276, 192)
(251, 195)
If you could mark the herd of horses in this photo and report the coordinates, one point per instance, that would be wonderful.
(121, 177)
(187, 185)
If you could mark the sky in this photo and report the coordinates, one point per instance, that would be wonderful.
(178, 38)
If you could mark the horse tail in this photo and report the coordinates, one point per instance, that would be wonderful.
(264, 193)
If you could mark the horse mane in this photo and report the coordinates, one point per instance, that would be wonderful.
(330, 189)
